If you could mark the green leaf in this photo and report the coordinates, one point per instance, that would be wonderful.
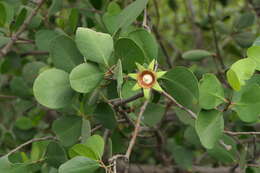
(43, 39)
(247, 105)
(31, 71)
(4, 40)
(222, 154)
(182, 84)
(244, 39)
(9, 167)
(95, 46)
(153, 114)
(239, 72)
(52, 89)
(2, 14)
(9, 12)
(254, 53)
(73, 19)
(130, 13)
(110, 17)
(119, 77)
(211, 92)
(24, 123)
(79, 164)
(257, 42)
(19, 20)
(196, 55)
(55, 154)
(82, 150)
(129, 53)
(105, 115)
(245, 20)
(182, 156)
(146, 41)
(56, 6)
(184, 117)
(67, 129)
(20, 88)
(209, 126)
(96, 144)
(85, 77)
(85, 130)
(64, 53)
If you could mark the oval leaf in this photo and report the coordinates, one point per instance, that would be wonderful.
(195, 55)
(52, 89)
(130, 53)
(64, 53)
(79, 164)
(95, 46)
(209, 126)
(68, 129)
(182, 84)
(211, 92)
(239, 72)
(85, 77)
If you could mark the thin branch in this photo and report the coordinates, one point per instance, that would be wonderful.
(29, 142)
(34, 53)
(240, 133)
(191, 113)
(7, 97)
(159, 39)
(215, 37)
(15, 37)
(136, 131)
(124, 101)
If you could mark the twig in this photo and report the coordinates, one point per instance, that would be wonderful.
(124, 101)
(7, 97)
(15, 37)
(34, 53)
(29, 142)
(159, 39)
(135, 133)
(240, 133)
(191, 113)
(215, 37)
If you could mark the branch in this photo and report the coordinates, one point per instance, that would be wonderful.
(34, 53)
(191, 113)
(240, 133)
(124, 101)
(135, 133)
(215, 37)
(137, 168)
(159, 39)
(29, 142)
(15, 37)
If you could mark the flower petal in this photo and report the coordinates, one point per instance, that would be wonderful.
(136, 87)
(160, 74)
(133, 75)
(146, 93)
(151, 65)
(157, 87)
(140, 67)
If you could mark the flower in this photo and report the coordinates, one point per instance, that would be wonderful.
(147, 78)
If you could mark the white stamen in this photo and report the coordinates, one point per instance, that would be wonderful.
(147, 78)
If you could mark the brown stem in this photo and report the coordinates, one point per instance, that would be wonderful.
(240, 133)
(130, 99)
(34, 53)
(135, 133)
(15, 37)
(191, 113)
(29, 142)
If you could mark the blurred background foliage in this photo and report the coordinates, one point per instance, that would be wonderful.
(191, 33)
